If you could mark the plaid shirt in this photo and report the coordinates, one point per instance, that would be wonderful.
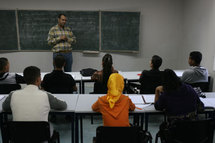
(54, 38)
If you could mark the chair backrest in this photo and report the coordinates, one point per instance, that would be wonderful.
(151, 81)
(26, 132)
(119, 134)
(7, 88)
(99, 88)
(187, 131)
(203, 85)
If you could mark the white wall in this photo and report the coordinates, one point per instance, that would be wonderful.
(199, 32)
(160, 33)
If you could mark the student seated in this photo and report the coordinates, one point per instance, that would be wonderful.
(5, 76)
(151, 79)
(114, 106)
(31, 103)
(178, 99)
(101, 77)
(196, 73)
(57, 81)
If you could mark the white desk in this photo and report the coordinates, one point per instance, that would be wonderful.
(70, 99)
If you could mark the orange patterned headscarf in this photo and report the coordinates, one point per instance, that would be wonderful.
(115, 87)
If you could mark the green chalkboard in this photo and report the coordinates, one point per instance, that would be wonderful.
(8, 36)
(34, 26)
(120, 31)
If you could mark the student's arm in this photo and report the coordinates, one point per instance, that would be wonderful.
(96, 76)
(52, 40)
(44, 84)
(19, 79)
(74, 88)
(73, 84)
(158, 101)
(55, 103)
(131, 105)
(95, 106)
(158, 91)
(6, 103)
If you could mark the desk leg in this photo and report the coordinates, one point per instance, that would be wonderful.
(136, 120)
(82, 87)
(76, 129)
(1, 124)
(81, 126)
(146, 121)
(142, 120)
(73, 128)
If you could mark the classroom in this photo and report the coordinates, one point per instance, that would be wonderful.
(168, 28)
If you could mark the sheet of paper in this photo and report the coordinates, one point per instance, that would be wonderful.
(149, 98)
(1, 97)
(208, 102)
(142, 106)
(136, 99)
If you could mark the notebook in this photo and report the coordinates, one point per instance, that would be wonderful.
(148, 99)
(142, 99)
(137, 99)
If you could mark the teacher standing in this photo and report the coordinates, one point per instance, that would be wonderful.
(60, 38)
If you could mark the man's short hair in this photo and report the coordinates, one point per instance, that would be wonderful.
(156, 61)
(3, 63)
(59, 16)
(196, 56)
(31, 74)
(59, 61)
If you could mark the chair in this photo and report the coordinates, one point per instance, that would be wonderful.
(187, 131)
(28, 132)
(7, 88)
(99, 88)
(132, 134)
(204, 86)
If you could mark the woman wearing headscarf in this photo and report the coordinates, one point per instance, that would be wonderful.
(114, 106)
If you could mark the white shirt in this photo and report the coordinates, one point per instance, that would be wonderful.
(30, 104)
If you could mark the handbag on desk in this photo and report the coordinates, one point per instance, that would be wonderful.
(87, 72)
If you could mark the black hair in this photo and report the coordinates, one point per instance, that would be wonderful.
(3, 63)
(196, 56)
(156, 61)
(31, 74)
(59, 16)
(107, 67)
(171, 81)
(59, 61)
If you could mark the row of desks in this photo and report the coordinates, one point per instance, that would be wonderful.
(80, 104)
(131, 76)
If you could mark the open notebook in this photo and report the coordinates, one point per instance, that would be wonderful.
(142, 99)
